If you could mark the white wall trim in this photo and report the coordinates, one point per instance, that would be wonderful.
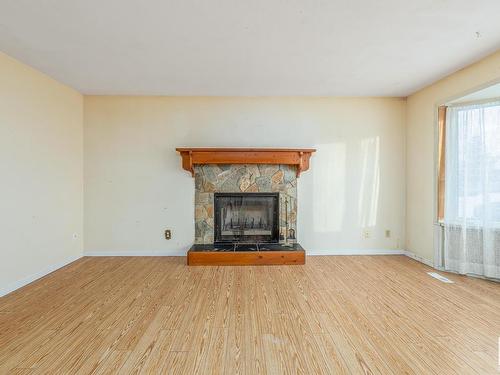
(355, 252)
(136, 253)
(173, 253)
(29, 279)
(420, 259)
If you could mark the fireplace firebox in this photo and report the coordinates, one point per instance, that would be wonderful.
(246, 218)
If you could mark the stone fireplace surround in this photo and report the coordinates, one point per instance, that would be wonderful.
(250, 178)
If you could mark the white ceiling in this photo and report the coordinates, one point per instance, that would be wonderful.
(249, 47)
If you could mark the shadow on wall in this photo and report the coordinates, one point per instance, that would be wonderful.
(345, 188)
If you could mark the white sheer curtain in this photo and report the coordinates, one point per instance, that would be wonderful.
(472, 190)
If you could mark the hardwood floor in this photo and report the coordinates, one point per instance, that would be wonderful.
(343, 314)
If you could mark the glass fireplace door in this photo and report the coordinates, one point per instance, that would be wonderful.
(246, 217)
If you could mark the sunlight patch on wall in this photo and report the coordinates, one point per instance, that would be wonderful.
(329, 187)
(370, 182)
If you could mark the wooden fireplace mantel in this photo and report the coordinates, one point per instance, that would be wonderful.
(290, 156)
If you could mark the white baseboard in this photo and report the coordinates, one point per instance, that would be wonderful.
(173, 253)
(29, 279)
(356, 252)
(418, 258)
(166, 253)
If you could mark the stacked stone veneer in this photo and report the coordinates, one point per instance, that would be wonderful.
(237, 178)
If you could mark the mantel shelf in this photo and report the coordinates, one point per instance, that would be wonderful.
(289, 156)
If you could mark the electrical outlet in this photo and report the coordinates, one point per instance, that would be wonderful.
(168, 234)
(366, 233)
(75, 236)
(387, 233)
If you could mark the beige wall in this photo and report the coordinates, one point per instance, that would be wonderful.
(41, 174)
(135, 187)
(420, 148)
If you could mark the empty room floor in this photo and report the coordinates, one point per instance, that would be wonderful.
(342, 314)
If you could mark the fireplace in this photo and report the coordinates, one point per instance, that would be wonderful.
(245, 205)
(246, 218)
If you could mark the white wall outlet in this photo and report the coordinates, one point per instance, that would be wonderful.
(387, 233)
(75, 236)
(366, 233)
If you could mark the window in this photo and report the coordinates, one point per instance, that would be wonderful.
(472, 173)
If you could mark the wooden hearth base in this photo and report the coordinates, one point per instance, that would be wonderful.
(208, 256)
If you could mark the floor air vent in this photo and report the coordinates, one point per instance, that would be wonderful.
(439, 277)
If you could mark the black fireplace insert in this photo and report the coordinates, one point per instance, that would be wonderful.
(246, 218)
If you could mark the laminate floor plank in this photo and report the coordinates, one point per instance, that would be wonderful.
(333, 315)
